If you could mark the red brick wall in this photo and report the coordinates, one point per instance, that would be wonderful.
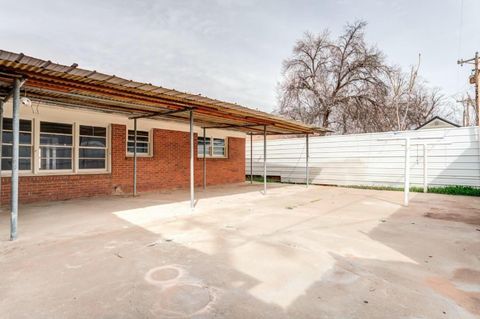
(168, 168)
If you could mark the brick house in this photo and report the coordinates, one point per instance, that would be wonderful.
(69, 133)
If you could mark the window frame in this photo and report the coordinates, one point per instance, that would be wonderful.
(211, 154)
(31, 145)
(38, 149)
(106, 148)
(149, 143)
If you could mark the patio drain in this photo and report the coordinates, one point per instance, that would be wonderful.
(164, 275)
(180, 294)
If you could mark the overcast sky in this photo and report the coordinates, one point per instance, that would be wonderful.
(233, 50)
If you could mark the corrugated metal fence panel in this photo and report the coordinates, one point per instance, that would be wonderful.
(369, 159)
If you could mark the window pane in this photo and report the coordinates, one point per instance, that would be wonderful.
(24, 151)
(218, 151)
(7, 137)
(7, 164)
(92, 152)
(48, 139)
(55, 163)
(23, 164)
(218, 142)
(142, 142)
(58, 128)
(139, 133)
(25, 138)
(142, 147)
(25, 125)
(219, 146)
(92, 163)
(92, 141)
(56, 152)
(200, 146)
(139, 138)
(7, 124)
(200, 140)
(93, 130)
(140, 150)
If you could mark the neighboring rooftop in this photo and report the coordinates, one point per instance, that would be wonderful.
(437, 122)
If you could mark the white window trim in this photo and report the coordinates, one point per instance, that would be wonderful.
(77, 150)
(150, 144)
(38, 159)
(211, 155)
(36, 154)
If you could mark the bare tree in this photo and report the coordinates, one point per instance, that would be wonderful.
(345, 85)
(323, 75)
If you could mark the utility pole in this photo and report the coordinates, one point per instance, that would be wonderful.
(474, 79)
(466, 103)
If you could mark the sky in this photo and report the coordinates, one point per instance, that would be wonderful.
(233, 50)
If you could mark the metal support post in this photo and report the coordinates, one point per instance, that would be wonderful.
(307, 155)
(204, 159)
(406, 186)
(251, 158)
(425, 169)
(15, 156)
(264, 160)
(192, 182)
(134, 157)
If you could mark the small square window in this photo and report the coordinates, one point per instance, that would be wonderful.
(214, 147)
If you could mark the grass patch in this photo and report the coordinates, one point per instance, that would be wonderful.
(455, 190)
(448, 190)
(259, 179)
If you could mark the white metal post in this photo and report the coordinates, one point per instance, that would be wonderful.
(204, 159)
(15, 157)
(264, 160)
(425, 169)
(307, 155)
(134, 156)
(406, 186)
(192, 175)
(251, 158)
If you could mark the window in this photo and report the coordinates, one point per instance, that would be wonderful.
(25, 145)
(207, 146)
(143, 142)
(56, 142)
(217, 149)
(92, 151)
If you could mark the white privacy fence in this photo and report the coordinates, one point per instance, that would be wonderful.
(374, 159)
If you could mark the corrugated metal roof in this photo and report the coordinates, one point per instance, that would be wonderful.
(70, 85)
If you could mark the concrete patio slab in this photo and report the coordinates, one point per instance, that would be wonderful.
(321, 252)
